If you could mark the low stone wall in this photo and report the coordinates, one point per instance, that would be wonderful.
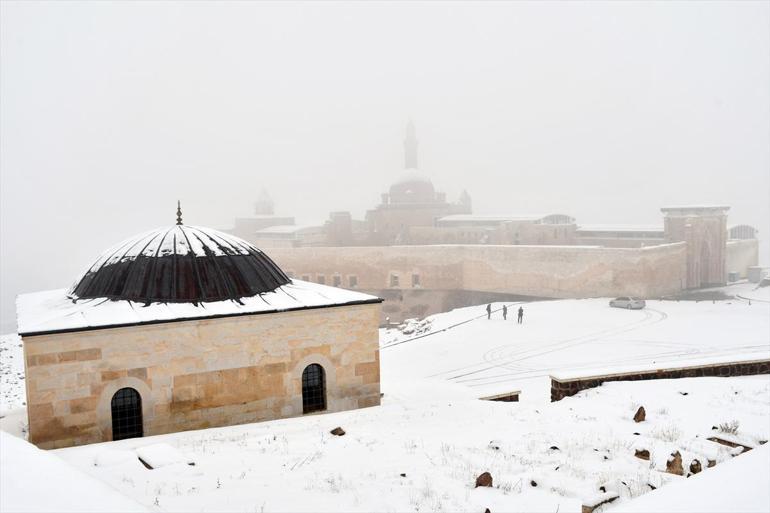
(561, 388)
(507, 397)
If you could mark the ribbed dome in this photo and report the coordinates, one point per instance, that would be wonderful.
(180, 264)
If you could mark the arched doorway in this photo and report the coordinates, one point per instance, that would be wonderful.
(313, 388)
(126, 414)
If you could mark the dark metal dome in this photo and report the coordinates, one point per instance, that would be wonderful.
(180, 264)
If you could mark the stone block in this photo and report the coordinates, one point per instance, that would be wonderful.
(139, 373)
(83, 404)
(89, 354)
(112, 375)
(40, 411)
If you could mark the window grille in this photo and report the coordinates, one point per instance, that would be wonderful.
(320, 278)
(313, 389)
(126, 414)
(337, 280)
(353, 281)
(394, 280)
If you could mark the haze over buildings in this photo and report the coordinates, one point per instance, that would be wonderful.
(605, 112)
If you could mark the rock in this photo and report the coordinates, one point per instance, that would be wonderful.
(484, 479)
(640, 415)
(674, 464)
(554, 448)
(533, 483)
(712, 463)
(486, 510)
(338, 431)
(644, 454)
(403, 474)
(695, 467)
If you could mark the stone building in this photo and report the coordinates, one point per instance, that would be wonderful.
(704, 229)
(425, 255)
(187, 328)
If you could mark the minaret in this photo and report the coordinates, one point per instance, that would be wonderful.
(410, 147)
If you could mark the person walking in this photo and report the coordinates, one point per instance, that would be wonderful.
(521, 314)
(489, 311)
(505, 312)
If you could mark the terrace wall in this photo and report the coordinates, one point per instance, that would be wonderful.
(561, 388)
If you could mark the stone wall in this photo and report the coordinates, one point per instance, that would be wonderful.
(741, 254)
(200, 373)
(536, 271)
(561, 388)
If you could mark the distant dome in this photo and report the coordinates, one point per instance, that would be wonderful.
(412, 186)
(180, 264)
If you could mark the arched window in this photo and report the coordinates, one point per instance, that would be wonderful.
(126, 414)
(313, 388)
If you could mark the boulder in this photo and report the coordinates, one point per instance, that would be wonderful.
(640, 415)
(644, 454)
(338, 431)
(674, 464)
(695, 467)
(484, 479)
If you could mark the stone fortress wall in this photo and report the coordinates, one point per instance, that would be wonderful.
(741, 254)
(199, 373)
(510, 271)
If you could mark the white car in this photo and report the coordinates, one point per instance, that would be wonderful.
(628, 302)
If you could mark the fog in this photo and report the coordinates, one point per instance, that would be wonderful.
(110, 112)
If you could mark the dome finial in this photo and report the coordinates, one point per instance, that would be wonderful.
(178, 212)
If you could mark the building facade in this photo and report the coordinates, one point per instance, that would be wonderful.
(188, 328)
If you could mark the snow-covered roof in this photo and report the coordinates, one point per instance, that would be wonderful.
(620, 228)
(287, 228)
(695, 207)
(53, 311)
(472, 218)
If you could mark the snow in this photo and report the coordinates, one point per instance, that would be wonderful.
(53, 311)
(473, 218)
(12, 394)
(620, 228)
(287, 229)
(441, 442)
(39, 481)
(162, 455)
(411, 175)
(741, 484)
(573, 337)
(433, 428)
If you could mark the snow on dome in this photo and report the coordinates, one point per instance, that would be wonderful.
(412, 186)
(180, 264)
(411, 175)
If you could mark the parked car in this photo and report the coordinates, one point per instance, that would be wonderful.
(630, 303)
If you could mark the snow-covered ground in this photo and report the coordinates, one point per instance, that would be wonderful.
(424, 447)
(496, 356)
(12, 391)
(34, 480)
(424, 455)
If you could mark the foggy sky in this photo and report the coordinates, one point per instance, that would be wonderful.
(110, 112)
